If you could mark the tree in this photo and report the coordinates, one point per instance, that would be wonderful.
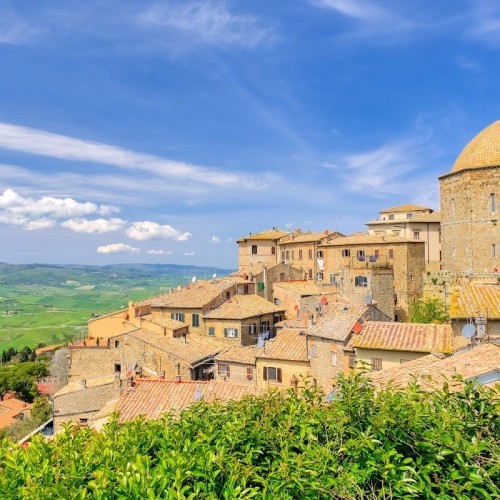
(21, 378)
(429, 311)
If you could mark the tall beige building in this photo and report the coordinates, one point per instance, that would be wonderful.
(470, 214)
(259, 248)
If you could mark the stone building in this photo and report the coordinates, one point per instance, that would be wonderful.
(413, 222)
(258, 248)
(363, 251)
(237, 365)
(470, 214)
(301, 250)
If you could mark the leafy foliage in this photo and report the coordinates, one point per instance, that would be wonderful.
(287, 446)
(431, 310)
(21, 378)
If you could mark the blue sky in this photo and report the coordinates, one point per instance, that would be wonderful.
(163, 131)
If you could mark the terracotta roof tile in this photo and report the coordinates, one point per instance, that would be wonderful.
(194, 296)
(469, 363)
(406, 207)
(243, 306)
(272, 234)
(287, 345)
(305, 287)
(337, 320)
(167, 322)
(239, 354)
(369, 239)
(476, 300)
(9, 409)
(308, 237)
(153, 398)
(415, 337)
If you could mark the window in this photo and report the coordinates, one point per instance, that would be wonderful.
(333, 279)
(409, 216)
(319, 276)
(211, 331)
(360, 281)
(282, 255)
(493, 203)
(376, 364)
(416, 235)
(117, 344)
(223, 369)
(260, 286)
(287, 255)
(493, 250)
(246, 289)
(333, 358)
(278, 318)
(346, 252)
(228, 295)
(118, 368)
(300, 254)
(319, 254)
(231, 333)
(84, 422)
(178, 316)
(265, 326)
(282, 276)
(252, 329)
(195, 320)
(273, 250)
(310, 253)
(360, 254)
(391, 216)
(254, 249)
(293, 254)
(391, 253)
(310, 274)
(272, 374)
(314, 351)
(249, 373)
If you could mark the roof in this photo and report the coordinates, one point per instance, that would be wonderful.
(304, 287)
(193, 349)
(414, 337)
(469, 363)
(407, 207)
(337, 320)
(308, 237)
(369, 239)
(482, 151)
(418, 217)
(271, 234)
(243, 306)
(299, 321)
(9, 409)
(167, 322)
(288, 345)
(48, 348)
(239, 354)
(153, 398)
(476, 300)
(90, 383)
(193, 296)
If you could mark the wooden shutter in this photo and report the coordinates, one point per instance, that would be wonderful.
(278, 374)
(376, 364)
(225, 332)
(228, 371)
(218, 368)
(250, 374)
(265, 372)
(235, 332)
(172, 316)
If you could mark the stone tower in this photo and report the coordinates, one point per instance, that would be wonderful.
(470, 206)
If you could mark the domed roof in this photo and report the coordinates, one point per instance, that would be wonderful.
(482, 151)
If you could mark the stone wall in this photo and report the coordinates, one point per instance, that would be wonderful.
(469, 227)
(239, 373)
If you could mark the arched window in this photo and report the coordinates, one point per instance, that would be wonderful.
(493, 203)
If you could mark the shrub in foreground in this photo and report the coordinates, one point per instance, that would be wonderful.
(362, 445)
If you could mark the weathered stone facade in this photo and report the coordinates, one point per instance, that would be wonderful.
(470, 228)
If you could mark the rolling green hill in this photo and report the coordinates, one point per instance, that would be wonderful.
(50, 304)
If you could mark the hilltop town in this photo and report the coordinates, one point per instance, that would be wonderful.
(305, 307)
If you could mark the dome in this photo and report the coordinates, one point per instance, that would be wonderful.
(482, 151)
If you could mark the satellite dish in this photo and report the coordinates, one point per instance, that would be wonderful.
(214, 275)
(277, 302)
(468, 330)
(197, 394)
(193, 279)
(368, 300)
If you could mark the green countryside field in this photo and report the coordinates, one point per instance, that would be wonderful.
(52, 304)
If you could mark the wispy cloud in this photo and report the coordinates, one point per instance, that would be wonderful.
(94, 226)
(189, 254)
(484, 22)
(40, 142)
(207, 22)
(147, 230)
(117, 248)
(159, 252)
(214, 240)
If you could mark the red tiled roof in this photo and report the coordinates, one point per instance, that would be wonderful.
(287, 345)
(415, 337)
(476, 300)
(9, 409)
(153, 398)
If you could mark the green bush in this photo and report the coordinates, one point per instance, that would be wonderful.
(390, 444)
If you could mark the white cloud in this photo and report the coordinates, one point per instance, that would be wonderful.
(484, 22)
(188, 253)
(43, 223)
(207, 22)
(117, 248)
(357, 9)
(214, 240)
(94, 226)
(147, 230)
(159, 252)
(40, 142)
